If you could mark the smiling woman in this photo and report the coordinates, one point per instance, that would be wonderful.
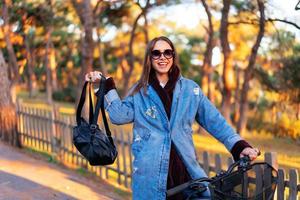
(162, 106)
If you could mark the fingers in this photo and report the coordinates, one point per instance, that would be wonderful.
(94, 76)
(251, 152)
(88, 77)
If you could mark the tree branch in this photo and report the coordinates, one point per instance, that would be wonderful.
(284, 21)
(255, 22)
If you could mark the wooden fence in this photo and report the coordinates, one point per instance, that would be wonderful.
(46, 130)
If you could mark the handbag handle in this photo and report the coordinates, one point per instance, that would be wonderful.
(100, 104)
(81, 103)
(93, 117)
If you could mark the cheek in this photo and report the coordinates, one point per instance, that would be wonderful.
(152, 64)
(171, 63)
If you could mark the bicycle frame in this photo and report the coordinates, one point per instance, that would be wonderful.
(221, 186)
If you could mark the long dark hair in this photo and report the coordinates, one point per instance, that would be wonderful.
(144, 79)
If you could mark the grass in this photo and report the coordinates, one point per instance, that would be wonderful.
(288, 151)
(40, 154)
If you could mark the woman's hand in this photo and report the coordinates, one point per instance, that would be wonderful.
(94, 76)
(251, 152)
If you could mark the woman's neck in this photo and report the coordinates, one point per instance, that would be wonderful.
(162, 78)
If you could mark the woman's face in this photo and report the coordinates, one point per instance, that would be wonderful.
(162, 57)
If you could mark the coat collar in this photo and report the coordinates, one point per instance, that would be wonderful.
(156, 99)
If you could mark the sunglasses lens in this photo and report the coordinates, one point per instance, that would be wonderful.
(168, 53)
(155, 54)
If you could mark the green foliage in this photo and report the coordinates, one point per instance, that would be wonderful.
(185, 61)
(82, 171)
(67, 94)
(113, 14)
(243, 5)
(45, 155)
(285, 80)
(268, 82)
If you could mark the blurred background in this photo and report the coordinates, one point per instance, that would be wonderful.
(244, 54)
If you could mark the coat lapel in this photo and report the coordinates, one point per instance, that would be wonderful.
(156, 100)
(176, 95)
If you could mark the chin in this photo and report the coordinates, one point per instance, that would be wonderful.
(163, 71)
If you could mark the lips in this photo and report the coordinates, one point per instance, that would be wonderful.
(162, 64)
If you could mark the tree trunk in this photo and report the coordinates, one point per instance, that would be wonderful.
(52, 64)
(249, 71)
(298, 111)
(207, 66)
(51, 53)
(49, 88)
(101, 53)
(131, 58)
(14, 75)
(32, 82)
(146, 29)
(236, 96)
(84, 11)
(228, 73)
(8, 116)
(96, 13)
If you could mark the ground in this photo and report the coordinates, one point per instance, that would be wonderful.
(27, 176)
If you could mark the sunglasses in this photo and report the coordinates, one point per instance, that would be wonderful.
(156, 54)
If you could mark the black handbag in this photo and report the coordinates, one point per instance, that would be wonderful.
(96, 146)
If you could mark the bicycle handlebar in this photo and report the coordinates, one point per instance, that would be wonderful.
(243, 163)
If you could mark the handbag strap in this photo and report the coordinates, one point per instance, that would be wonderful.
(81, 103)
(100, 105)
(93, 117)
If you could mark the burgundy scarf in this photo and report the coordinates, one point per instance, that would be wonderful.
(177, 171)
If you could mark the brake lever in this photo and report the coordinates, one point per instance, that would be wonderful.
(244, 161)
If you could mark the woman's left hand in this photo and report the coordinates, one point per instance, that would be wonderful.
(251, 152)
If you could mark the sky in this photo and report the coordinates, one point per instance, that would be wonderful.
(189, 13)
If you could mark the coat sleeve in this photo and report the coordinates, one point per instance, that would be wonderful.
(120, 111)
(213, 122)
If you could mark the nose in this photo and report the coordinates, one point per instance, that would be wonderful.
(162, 57)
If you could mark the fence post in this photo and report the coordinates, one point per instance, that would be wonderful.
(293, 182)
(218, 163)
(206, 162)
(53, 139)
(258, 179)
(270, 158)
(229, 161)
(280, 185)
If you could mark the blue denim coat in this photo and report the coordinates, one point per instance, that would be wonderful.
(153, 133)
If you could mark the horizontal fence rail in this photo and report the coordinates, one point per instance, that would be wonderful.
(49, 131)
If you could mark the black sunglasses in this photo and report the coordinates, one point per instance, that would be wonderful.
(156, 54)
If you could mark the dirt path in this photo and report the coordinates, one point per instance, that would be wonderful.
(24, 177)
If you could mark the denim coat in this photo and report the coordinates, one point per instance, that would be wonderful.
(153, 133)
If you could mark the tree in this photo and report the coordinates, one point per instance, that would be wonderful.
(85, 12)
(14, 72)
(131, 57)
(228, 72)
(207, 63)
(8, 117)
(249, 71)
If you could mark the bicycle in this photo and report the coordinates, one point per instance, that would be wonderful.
(241, 181)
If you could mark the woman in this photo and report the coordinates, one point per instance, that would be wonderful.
(163, 106)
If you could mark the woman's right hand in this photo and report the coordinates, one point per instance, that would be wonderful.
(93, 77)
